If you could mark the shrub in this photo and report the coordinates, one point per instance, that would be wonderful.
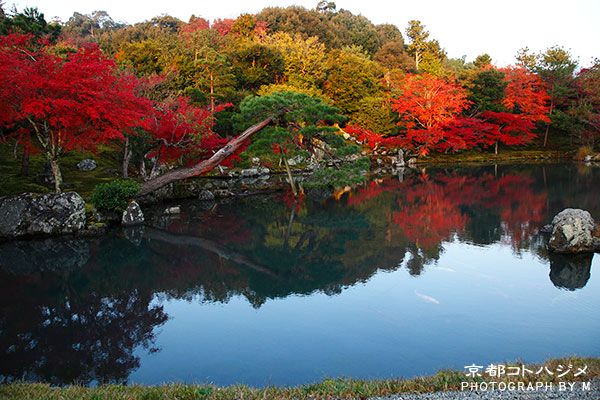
(582, 152)
(114, 195)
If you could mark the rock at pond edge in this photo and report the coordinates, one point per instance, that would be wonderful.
(572, 232)
(50, 214)
(132, 215)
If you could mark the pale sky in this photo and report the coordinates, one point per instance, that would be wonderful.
(463, 27)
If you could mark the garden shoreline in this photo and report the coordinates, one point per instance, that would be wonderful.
(445, 385)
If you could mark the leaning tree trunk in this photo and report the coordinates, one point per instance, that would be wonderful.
(204, 166)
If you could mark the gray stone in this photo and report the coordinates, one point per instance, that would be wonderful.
(173, 210)
(132, 215)
(400, 162)
(249, 172)
(299, 159)
(412, 162)
(264, 171)
(312, 166)
(87, 165)
(587, 158)
(206, 195)
(224, 193)
(572, 232)
(51, 214)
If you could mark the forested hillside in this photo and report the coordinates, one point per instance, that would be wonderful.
(172, 90)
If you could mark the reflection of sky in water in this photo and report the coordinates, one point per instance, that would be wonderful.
(476, 305)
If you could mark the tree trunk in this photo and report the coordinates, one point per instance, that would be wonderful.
(417, 59)
(155, 171)
(143, 170)
(290, 177)
(55, 173)
(204, 166)
(126, 164)
(126, 158)
(496, 149)
(25, 162)
(548, 124)
(212, 95)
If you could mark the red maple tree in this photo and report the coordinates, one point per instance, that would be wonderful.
(67, 102)
(526, 95)
(180, 128)
(426, 104)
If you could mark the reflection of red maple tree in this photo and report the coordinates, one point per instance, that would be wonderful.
(427, 215)
(290, 201)
(430, 208)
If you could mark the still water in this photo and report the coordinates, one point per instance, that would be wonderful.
(443, 267)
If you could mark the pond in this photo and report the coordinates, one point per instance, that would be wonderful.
(435, 268)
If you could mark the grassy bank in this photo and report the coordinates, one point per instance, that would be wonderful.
(327, 389)
(505, 156)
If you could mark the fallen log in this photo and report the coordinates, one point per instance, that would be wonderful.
(203, 166)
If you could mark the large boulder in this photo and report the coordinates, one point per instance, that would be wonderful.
(572, 232)
(51, 214)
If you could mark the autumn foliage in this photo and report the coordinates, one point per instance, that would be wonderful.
(66, 102)
(181, 128)
(433, 114)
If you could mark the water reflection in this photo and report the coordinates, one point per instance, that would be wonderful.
(67, 326)
(77, 310)
(570, 272)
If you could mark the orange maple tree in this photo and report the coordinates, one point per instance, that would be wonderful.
(426, 104)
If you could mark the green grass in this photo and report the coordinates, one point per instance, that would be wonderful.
(327, 389)
(504, 155)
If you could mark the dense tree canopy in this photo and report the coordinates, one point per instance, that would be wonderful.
(64, 103)
(395, 93)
